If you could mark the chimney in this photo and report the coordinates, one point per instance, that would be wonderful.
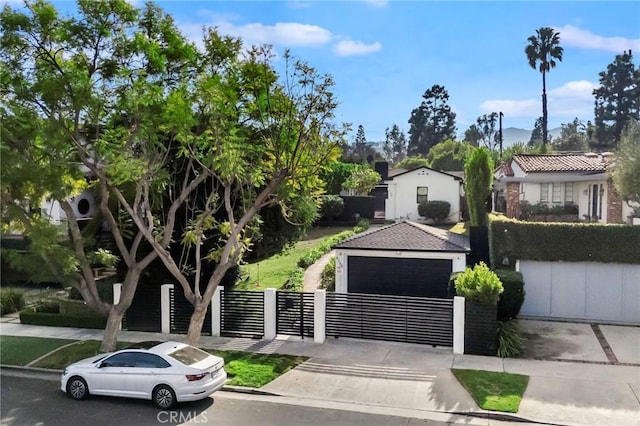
(382, 167)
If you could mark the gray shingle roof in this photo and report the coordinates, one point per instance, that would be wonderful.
(407, 236)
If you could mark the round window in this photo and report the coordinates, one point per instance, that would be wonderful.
(83, 206)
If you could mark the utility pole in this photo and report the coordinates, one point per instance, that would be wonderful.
(500, 132)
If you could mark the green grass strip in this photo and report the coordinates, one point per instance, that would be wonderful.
(493, 391)
(21, 350)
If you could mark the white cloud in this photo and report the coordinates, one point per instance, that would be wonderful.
(351, 48)
(574, 98)
(574, 36)
(282, 33)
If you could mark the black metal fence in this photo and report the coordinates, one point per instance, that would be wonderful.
(294, 313)
(392, 318)
(180, 311)
(145, 313)
(242, 313)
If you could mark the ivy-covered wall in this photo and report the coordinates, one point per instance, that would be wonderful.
(510, 240)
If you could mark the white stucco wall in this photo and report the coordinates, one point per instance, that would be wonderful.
(402, 202)
(459, 261)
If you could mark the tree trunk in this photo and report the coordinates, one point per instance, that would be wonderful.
(544, 112)
(196, 323)
(110, 337)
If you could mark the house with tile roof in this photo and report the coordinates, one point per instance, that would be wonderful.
(404, 259)
(555, 180)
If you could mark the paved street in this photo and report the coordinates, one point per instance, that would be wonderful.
(29, 400)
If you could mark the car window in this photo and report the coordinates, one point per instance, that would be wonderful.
(123, 359)
(143, 360)
(189, 355)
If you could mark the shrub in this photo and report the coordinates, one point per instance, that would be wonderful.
(512, 297)
(510, 340)
(332, 206)
(61, 320)
(328, 276)
(569, 242)
(362, 226)
(11, 300)
(50, 307)
(478, 172)
(105, 290)
(479, 284)
(295, 281)
(436, 210)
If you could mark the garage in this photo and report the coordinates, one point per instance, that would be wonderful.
(402, 259)
(399, 276)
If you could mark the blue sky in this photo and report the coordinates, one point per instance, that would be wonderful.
(383, 55)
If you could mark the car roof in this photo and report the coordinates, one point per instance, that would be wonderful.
(165, 348)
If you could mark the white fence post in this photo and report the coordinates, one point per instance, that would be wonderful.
(216, 306)
(117, 291)
(458, 325)
(270, 313)
(319, 315)
(165, 308)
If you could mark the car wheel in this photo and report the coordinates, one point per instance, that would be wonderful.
(164, 397)
(77, 388)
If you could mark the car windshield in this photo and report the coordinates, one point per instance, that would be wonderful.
(189, 355)
(100, 359)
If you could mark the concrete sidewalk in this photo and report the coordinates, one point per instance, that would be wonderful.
(378, 376)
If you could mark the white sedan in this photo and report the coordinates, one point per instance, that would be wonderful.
(166, 373)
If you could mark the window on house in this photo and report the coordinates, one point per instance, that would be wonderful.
(422, 194)
(544, 193)
(556, 193)
(568, 192)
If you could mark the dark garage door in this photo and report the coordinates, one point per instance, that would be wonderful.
(402, 277)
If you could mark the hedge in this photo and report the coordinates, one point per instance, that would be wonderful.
(62, 320)
(511, 240)
(512, 297)
(11, 300)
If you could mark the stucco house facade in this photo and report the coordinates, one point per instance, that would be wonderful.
(574, 179)
(406, 190)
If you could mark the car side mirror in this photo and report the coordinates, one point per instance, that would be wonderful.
(104, 364)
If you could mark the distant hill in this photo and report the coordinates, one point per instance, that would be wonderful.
(511, 135)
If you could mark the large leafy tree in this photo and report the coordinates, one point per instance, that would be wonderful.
(573, 136)
(472, 135)
(616, 100)
(542, 52)
(83, 97)
(449, 155)
(259, 141)
(431, 122)
(395, 144)
(190, 146)
(626, 169)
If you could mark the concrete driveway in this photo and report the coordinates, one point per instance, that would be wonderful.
(567, 341)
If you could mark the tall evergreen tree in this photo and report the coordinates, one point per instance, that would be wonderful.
(544, 48)
(360, 145)
(536, 134)
(486, 127)
(432, 122)
(395, 144)
(573, 136)
(616, 100)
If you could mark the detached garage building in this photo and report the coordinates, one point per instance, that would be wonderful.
(403, 259)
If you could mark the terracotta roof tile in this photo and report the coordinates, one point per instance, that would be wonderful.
(408, 236)
(541, 163)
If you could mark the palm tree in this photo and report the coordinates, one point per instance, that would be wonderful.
(544, 47)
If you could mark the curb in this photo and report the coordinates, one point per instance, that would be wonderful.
(493, 415)
(55, 374)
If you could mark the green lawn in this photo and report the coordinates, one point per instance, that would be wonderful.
(493, 391)
(274, 271)
(243, 368)
(70, 354)
(19, 350)
(253, 369)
